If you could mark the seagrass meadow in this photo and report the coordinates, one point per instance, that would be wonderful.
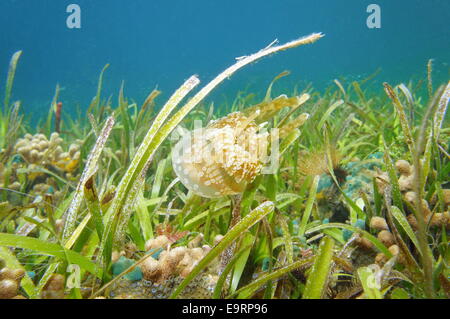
(137, 200)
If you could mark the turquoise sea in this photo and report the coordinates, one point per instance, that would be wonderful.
(159, 43)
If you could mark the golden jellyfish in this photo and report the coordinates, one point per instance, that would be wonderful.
(221, 159)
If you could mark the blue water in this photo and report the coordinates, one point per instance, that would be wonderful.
(160, 43)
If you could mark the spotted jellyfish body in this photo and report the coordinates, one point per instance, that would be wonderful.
(220, 159)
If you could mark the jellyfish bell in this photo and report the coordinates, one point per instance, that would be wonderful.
(199, 164)
(220, 159)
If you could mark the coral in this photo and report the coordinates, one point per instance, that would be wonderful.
(364, 243)
(406, 179)
(178, 261)
(378, 223)
(434, 219)
(163, 270)
(10, 282)
(386, 238)
(406, 186)
(159, 242)
(40, 151)
(403, 167)
(395, 251)
(35, 165)
(446, 193)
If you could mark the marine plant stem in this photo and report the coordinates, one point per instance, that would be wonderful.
(318, 277)
(10, 79)
(427, 259)
(89, 170)
(235, 218)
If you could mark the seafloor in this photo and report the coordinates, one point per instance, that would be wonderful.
(341, 194)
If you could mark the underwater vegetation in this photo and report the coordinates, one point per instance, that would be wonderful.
(343, 194)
